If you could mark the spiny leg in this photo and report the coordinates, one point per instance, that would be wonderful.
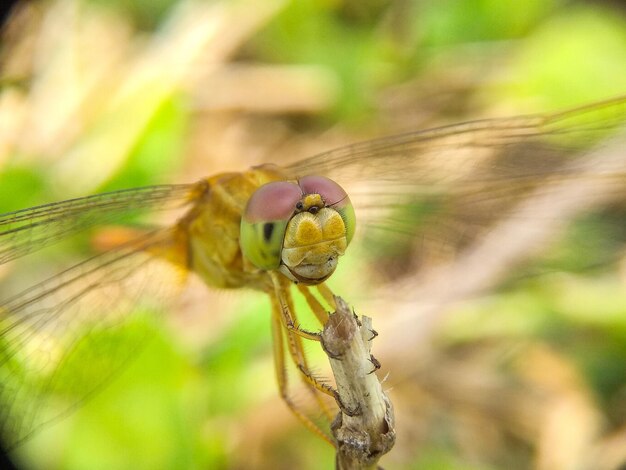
(323, 316)
(284, 304)
(299, 356)
(281, 371)
(282, 299)
(280, 290)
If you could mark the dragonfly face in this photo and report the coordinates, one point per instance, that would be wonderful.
(299, 228)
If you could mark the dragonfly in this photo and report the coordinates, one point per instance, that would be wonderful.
(270, 228)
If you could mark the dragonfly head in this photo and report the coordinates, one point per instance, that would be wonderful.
(298, 228)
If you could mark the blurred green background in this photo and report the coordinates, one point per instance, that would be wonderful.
(106, 95)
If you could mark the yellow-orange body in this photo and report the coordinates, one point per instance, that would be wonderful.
(207, 237)
(206, 241)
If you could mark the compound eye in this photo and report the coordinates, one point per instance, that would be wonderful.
(264, 223)
(330, 191)
(273, 201)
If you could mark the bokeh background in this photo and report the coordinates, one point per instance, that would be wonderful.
(101, 95)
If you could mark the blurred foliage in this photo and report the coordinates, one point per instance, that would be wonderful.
(156, 152)
(144, 14)
(399, 65)
(27, 183)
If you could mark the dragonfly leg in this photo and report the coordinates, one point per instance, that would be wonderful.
(282, 303)
(294, 342)
(281, 293)
(314, 384)
(327, 294)
(281, 374)
(299, 358)
(316, 307)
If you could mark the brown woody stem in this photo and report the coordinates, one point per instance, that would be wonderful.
(364, 427)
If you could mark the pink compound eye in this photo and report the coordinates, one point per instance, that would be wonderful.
(273, 201)
(331, 192)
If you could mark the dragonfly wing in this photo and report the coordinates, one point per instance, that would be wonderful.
(28, 230)
(63, 339)
(443, 187)
(447, 154)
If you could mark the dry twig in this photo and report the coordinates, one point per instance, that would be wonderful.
(364, 428)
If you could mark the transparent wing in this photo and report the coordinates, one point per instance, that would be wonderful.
(64, 338)
(444, 187)
(448, 154)
(28, 230)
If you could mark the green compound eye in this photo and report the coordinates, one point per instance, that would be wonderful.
(346, 211)
(264, 223)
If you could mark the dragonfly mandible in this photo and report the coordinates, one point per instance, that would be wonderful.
(267, 228)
